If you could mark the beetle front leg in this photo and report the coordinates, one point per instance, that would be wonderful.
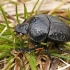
(47, 53)
(36, 45)
(61, 49)
(46, 50)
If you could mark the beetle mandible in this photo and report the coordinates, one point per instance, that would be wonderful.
(44, 27)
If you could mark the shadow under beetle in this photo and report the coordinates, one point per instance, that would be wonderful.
(46, 28)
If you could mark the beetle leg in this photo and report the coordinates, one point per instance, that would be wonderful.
(27, 49)
(36, 45)
(47, 53)
(46, 50)
(64, 17)
(61, 49)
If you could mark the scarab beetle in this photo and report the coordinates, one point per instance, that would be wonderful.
(44, 27)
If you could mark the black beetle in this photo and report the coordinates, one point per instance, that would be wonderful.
(43, 27)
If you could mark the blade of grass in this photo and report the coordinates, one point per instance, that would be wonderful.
(2, 24)
(4, 54)
(51, 12)
(43, 43)
(39, 7)
(67, 44)
(67, 12)
(5, 47)
(3, 13)
(34, 8)
(6, 39)
(17, 14)
(61, 56)
(5, 18)
(25, 12)
(3, 31)
(68, 15)
(32, 61)
(8, 65)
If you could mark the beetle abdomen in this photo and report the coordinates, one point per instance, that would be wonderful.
(59, 31)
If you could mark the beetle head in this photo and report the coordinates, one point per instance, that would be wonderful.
(22, 28)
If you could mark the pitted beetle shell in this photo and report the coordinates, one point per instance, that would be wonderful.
(59, 31)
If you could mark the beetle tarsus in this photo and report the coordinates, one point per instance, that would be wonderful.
(61, 49)
(24, 50)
